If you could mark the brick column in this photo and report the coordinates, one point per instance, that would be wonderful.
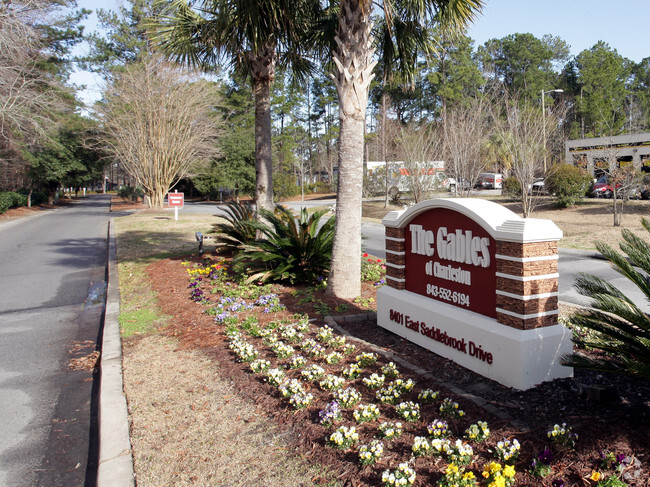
(527, 284)
(395, 258)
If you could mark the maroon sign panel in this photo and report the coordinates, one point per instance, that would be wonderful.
(451, 258)
(175, 199)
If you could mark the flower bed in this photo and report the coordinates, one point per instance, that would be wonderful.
(396, 451)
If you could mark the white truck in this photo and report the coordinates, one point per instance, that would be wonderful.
(431, 174)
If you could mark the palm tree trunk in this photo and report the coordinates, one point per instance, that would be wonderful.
(263, 71)
(352, 77)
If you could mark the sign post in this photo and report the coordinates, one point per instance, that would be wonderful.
(175, 200)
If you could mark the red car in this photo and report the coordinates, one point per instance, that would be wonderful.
(602, 188)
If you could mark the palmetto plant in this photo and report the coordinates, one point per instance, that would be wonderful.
(292, 250)
(623, 328)
(237, 230)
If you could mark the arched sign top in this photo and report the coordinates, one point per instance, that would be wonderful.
(500, 222)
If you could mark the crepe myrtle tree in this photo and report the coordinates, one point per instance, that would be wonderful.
(420, 146)
(625, 183)
(467, 131)
(353, 58)
(158, 122)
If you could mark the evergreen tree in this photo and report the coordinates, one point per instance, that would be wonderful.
(125, 39)
(235, 167)
(639, 105)
(602, 77)
(524, 64)
(456, 77)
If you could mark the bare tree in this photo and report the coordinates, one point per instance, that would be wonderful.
(26, 96)
(420, 147)
(625, 182)
(521, 134)
(467, 131)
(158, 121)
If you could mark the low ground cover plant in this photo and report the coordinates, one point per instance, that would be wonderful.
(371, 411)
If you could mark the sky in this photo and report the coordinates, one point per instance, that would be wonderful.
(621, 24)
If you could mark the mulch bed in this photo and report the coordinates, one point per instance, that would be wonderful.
(618, 422)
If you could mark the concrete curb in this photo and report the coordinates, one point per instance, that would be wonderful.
(115, 466)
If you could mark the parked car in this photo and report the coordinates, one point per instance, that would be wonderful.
(602, 189)
(538, 186)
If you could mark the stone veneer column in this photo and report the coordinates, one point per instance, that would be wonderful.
(527, 281)
(395, 258)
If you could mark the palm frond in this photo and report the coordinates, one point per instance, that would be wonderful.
(238, 229)
(293, 250)
(623, 329)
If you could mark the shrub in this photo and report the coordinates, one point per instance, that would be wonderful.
(237, 231)
(568, 183)
(129, 192)
(320, 187)
(512, 187)
(292, 250)
(284, 185)
(623, 330)
(11, 199)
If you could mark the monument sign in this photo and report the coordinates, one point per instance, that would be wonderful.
(473, 282)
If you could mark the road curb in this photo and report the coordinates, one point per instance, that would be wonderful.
(587, 254)
(115, 466)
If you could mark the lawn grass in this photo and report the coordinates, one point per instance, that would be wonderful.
(170, 446)
(143, 238)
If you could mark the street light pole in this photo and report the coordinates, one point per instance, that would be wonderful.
(544, 121)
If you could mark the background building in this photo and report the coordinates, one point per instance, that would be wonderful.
(606, 154)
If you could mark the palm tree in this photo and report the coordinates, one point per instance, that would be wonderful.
(621, 341)
(353, 66)
(252, 37)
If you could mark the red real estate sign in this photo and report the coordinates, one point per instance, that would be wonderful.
(175, 200)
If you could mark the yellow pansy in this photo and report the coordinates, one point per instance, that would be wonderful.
(596, 476)
(509, 471)
(451, 468)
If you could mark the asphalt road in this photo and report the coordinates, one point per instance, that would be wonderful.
(51, 304)
(571, 263)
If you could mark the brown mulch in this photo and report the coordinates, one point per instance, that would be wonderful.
(620, 423)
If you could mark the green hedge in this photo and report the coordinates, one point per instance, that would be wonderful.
(11, 199)
(39, 196)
